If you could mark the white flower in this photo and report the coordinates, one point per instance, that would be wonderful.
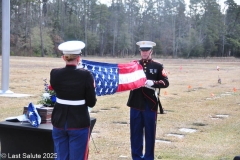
(46, 95)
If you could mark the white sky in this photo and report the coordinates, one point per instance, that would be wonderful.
(221, 2)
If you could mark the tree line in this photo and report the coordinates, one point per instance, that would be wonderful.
(201, 29)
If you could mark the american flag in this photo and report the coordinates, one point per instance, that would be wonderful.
(33, 115)
(112, 78)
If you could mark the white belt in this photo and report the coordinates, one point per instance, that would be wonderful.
(150, 87)
(156, 91)
(69, 102)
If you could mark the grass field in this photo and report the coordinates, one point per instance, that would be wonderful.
(194, 100)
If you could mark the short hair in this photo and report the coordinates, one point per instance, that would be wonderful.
(70, 57)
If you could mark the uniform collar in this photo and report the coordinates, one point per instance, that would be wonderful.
(146, 61)
(144, 64)
(71, 66)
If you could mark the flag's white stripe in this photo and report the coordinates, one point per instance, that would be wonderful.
(131, 77)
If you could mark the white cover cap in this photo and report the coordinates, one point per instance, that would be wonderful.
(146, 44)
(71, 47)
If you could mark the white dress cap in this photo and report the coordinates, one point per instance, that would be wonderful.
(146, 44)
(71, 47)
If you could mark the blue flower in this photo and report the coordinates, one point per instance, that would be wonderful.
(53, 98)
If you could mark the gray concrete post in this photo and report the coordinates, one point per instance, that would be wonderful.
(5, 46)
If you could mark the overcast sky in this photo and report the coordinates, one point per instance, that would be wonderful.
(221, 2)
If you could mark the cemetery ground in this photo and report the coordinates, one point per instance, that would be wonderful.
(202, 108)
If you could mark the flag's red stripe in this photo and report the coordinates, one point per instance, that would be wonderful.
(128, 67)
(132, 85)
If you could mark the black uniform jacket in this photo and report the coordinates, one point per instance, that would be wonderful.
(137, 97)
(71, 83)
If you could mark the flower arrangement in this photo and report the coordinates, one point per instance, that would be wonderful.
(48, 98)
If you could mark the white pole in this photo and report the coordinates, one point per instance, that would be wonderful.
(5, 46)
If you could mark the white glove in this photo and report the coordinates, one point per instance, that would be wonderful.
(149, 83)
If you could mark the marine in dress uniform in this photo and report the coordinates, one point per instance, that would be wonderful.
(143, 103)
(75, 92)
